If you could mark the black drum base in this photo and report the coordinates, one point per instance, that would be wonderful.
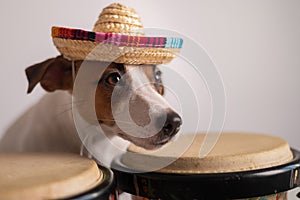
(234, 185)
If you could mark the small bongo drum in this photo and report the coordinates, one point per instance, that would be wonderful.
(240, 166)
(53, 176)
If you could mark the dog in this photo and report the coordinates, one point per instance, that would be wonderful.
(49, 125)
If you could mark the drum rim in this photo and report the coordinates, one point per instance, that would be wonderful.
(103, 189)
(287, 174)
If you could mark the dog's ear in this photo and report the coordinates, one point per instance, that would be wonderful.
(53, 74)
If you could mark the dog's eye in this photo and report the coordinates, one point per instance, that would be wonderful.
(157, 75)
(113, 78)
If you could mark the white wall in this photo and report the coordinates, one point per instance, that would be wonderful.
(255, 45)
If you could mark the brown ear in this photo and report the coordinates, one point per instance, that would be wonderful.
(53, 74)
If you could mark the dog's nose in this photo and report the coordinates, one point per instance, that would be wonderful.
(172, 124)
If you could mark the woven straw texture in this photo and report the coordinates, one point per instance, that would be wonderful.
(119, 19)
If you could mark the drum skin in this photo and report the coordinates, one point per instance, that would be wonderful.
(53, 176)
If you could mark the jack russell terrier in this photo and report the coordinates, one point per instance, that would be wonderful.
(49, 125)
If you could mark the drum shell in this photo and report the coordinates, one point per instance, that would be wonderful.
(271, 182)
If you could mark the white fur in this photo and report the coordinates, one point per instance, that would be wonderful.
(46, 126)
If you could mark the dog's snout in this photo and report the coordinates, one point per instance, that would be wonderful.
(172, 124)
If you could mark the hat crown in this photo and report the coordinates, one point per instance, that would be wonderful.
(117, 18)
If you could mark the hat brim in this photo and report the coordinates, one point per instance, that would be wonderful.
(77, 44)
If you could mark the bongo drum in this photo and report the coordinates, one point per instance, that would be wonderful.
(53, 176)
(240, 166)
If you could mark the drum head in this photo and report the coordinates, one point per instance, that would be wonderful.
(233, 152)
(49, 176)
(263, 171)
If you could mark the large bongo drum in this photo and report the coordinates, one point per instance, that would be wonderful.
(53, 176)
(240, 166)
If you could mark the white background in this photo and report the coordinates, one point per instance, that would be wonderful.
(255, 44)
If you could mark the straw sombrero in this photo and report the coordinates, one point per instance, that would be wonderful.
(113, 40)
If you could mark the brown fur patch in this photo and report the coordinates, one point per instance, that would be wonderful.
(56, 74)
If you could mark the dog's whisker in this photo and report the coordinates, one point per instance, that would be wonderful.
(124, 122)
(74, 102)
(70, 108)
(110, 120)
(63, 112)
(79, 103)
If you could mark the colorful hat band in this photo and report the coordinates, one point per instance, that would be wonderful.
(116, 39)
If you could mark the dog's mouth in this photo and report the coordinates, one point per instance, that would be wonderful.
(152, 143)
(165, 140)
(176, 130)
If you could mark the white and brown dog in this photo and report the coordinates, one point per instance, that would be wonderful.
(49, 125)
